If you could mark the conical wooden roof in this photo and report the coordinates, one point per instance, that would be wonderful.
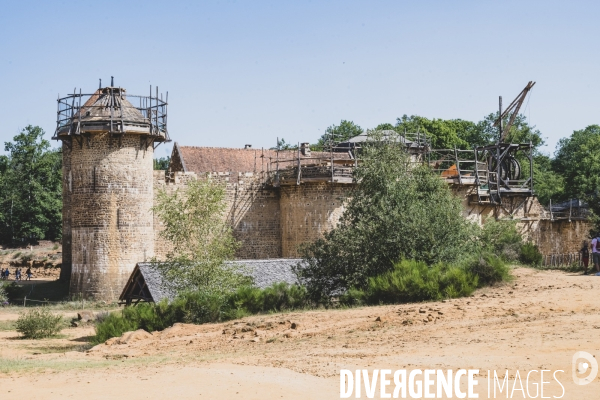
(106, 100)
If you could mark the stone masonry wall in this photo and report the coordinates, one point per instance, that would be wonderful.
(176, 181)
(561, 237)
(308, 211)
(273, 222)
(252, 211)
(67, 260)
(110, 190)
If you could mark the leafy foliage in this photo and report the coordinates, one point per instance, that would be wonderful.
(399, 210)
(3, 295)
(447, 134)
(161, 163)
(283, 145)
(339, 133)
(530, 254)
(30, 188)
(444, 134)
(549, 184)
(489, 268)
(114, 325)
(39, 322)
(278, 297)
(501, 238)
(199, 307)
(577, 159)
(201, 238)
(411, 281)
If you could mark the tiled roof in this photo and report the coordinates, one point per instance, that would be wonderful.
(270, 271)
(98, 107)
(264, 273)
(218, 159)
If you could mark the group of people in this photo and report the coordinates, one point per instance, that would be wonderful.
(5, 274)
(585, 254)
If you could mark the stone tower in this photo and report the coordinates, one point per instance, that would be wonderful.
(108, 146)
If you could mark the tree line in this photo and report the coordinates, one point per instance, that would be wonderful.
(31, 170)
(30, 188)
(572, 171)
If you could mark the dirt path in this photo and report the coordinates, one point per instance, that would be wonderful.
(536, 322)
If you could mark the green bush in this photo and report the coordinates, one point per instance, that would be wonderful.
(3, 295)
(39, 323)
(501, 238)
(488, 268)
(199, 308)
(399, 210)
(278, 297)
(412, 281)
(113, 325)
(14, 291)
(530, 254)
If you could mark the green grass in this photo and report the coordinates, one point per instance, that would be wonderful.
(8, 325)
(61, 348)
(20, 365)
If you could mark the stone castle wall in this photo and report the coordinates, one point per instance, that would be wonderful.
(109, 190)
(108, 225)
(274, 222)
(561, 237)
(308, 211)
(252, 211)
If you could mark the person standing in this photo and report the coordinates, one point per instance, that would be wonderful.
(596, 253)
(585, 256)
(28, 273)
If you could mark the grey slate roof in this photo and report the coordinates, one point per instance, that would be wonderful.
(154, 281)
(264, 272)
(269, 271)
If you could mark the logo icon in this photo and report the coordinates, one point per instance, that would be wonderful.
(582, 363)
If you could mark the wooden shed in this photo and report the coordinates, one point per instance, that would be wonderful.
(145, 284)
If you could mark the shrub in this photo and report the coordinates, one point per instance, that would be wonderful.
(14, 291)
(26, 257)
(530, 254)
(277, 297)
(3, 295)
(199, 308)
(113, 325)
(39, 323)
(488, 268)
(412, 281)
(501, 238)
(399, 210)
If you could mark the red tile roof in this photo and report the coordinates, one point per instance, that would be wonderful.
(218, 159)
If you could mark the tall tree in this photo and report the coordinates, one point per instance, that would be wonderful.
(399, 210)
(577, 160)
(162, 163)
(201, 238)
(339, 133)
(30, 188)
(444, 134)
(548, 184)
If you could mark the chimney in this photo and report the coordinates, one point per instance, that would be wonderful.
(305, 149)
(248, 146)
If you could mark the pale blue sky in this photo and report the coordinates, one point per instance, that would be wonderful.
(242, 72)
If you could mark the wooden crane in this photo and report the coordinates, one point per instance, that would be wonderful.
(514, 107)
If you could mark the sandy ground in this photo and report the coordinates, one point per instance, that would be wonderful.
(538, 321)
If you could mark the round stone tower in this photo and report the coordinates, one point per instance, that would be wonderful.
(108, 148)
